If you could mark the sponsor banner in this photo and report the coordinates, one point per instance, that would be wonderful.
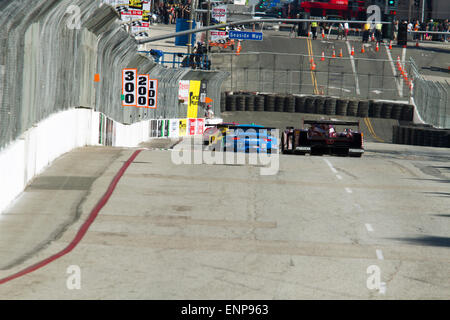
(182, 127)
(203, 92)
(129, 87)
(192, 126)
(131, 15)
(142, 28)
(200, 126)
(153, 93)
(174, 128)
(219, 13)
(216, 35)
(153, 128)
(107, 131)
(147, 5)
(135, 4)
(160, 128)
(183, 91)
(194, 92)
(165, 132)
(142, 90)
(240, 2)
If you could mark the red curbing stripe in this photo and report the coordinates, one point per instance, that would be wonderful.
(83, 229)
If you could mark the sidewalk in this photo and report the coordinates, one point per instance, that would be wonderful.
(166, 45)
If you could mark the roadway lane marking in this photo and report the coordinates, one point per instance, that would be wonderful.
(369, 227)
(397, 82)
(379, 254)
(330, 165)
(371, 130)
(84, 227)
(352, 61)
(313, 76)
(339, 177)
(348, 190)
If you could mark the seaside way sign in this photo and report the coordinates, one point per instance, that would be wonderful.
(244, 35)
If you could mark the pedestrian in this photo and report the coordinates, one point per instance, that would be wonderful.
(365, 35)
(314, 26)
(340, 31)
(378, 32)
(395, 30)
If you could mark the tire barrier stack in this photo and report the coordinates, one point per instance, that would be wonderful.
(231, 102)
(289, 104)
(320, 105)
(330, 106)
(421, 136)
(223, 102)
(248, 101)
(363, 109)
(269, 103)
(341, 107)
(309, 104)
(259, 103)
(352, 108)
(386, 111)
(279, 102)
(240, 102)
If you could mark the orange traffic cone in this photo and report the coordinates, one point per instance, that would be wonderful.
(340, 53)
(353, 51)
(323, 34)
(390, 45)
(313, 66)
(323, 56)
(373, 37)
(362, 49)
(417, 43)
(334, 54)
(377, 48)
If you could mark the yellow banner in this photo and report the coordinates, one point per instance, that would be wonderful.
(194, 94)
(182, 130)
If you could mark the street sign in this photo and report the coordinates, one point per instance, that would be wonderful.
(244, 35)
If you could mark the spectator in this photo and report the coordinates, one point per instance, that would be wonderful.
(395, 29)
(346, 29)
(314, 29)
(378, 32)
(446, 29)
(340, 31)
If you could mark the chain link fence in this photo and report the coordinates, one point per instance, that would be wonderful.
(292, 74)
(432, 99)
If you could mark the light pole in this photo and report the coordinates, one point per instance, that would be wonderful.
(423, 10)
(208, 21)
(191, 19)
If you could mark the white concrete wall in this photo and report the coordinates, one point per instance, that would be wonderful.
(61, 132)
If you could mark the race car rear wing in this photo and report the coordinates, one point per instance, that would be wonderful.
(332, 122)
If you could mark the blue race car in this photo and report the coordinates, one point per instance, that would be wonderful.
(250, 138)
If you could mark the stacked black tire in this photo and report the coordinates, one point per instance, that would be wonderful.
(231, 102)
(259, 102)
(289, 105)
(269, 104)
(319, 105)
(279, 102)
(363, 109)
(250, 102)
(330, 106)
(309, 105)
(300, 104)
(341, 107)
(421, 136)
(240, 102)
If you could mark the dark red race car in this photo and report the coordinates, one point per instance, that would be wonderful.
(319, 137)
